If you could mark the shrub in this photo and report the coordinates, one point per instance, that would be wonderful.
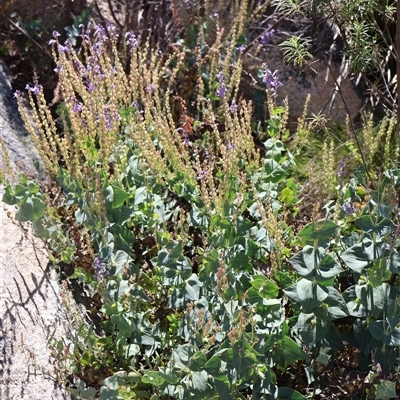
(178, 219)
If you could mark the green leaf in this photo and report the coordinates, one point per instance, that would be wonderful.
(199, 380)
(109, 390)
(359, 256)
(239, 262)
(291, 292)
(181, 354)
(87, 393)
(231, 306)
(213, 367)
(381, 226)
(285, 351)
(223, 390)
(321, 230)
(177, 273)
(266, 288)
(120, 215)
(373, 298)
(324, 356)
(120, 260)
(32, 210)
(385, 390)
(154, 378)
(314, 263)
(287, 196)
(132, 350)
(192, 288)
(115, 196)
(140, 196)
(311, 329)
(311, 294)
(122, 324)
(333, 307)
(39, 229)
(197, 362)
(380, 330)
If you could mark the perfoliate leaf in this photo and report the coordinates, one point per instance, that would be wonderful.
(381, 225)
(321, 230)
(359, 256)
(315, 263)
(333, 307)
(115, 197)
(311, 294)
(120, 260)
(381, 331)
(311, 329)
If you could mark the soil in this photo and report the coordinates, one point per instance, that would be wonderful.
(30, 305)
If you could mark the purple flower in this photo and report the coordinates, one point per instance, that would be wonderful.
(341, 170)
(348, 208)
(101, 268)
(202, 175)
(64, 49)
(52, 41)
(117, 116)
(90, 87)
(267, 35)
(55, 34)
(241, 48)
(150, 88)
(17, 93)
(98, 71)
(35, 89)
(85, 33)
(229, 146)
(131, 40)
(80, 68)
(107, 117)
(101, 33)
(233, 107)
(97, 48)
(58, 69)
(112, 31)
(271, 79)
(222, 90)
(77, 108)
(185, 137)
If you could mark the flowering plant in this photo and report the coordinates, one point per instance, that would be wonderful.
(180, 226)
